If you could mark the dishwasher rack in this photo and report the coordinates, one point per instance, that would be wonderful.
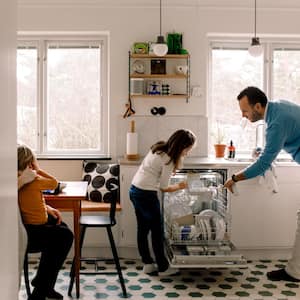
(197, 221)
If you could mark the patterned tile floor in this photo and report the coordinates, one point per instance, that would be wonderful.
(209, 284)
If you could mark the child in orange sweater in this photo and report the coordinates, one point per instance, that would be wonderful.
(45, 229)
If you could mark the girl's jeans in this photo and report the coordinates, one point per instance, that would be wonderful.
(147, 210)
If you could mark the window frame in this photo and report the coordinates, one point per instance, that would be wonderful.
(41, 40)
(241, 42)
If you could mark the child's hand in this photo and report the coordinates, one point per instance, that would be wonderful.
(35, 165)
(55, 213)
(26, 176)
(182, 185)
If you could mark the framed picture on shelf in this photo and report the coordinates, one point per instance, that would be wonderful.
(158, 66)
(154, 87)
(140, 48)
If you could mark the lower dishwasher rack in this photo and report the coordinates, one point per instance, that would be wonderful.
(221, 255)
(197, 222)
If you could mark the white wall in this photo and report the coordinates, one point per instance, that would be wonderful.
(8, 174)
(129, 21)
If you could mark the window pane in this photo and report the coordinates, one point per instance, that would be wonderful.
(233, 70)
(286, 74)
(74, 100)
(27, 97)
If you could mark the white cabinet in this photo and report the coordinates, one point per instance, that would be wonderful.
(262, 219)
(128, 227)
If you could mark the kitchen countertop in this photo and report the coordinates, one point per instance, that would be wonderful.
(214, 162)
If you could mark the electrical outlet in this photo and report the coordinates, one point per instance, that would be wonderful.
(197, 91)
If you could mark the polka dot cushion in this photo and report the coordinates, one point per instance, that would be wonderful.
(103, 181)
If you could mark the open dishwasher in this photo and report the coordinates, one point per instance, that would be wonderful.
(197, 222)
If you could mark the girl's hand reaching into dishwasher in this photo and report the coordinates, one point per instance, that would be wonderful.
(176, 187)
(182, 185)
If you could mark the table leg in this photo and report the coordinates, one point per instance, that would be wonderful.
(76, 216)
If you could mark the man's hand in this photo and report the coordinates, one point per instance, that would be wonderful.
(229, 184)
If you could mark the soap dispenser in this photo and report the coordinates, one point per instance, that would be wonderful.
(231, 150)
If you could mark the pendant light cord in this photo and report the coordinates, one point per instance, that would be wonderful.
(160, 17)
(255, 18)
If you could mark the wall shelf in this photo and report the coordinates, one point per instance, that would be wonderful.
(159, 96)
(175, 56)
(158, 76)
(147, 83)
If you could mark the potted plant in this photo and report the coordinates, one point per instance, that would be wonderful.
(219, 145)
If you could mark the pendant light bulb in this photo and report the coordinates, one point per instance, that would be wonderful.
(160, 48)
(256, 48)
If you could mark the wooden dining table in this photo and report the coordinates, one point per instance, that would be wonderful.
(69, 199)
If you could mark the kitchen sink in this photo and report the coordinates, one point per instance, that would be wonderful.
(286, 159)
(250, 159)
(244, 159)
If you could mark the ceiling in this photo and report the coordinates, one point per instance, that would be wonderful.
(217, 4)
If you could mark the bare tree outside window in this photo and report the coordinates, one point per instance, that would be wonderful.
(74, 110)
(231, 71)
(27, 96)
(62, 96)
(286, 74)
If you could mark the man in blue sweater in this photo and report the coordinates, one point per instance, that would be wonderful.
(282, 120)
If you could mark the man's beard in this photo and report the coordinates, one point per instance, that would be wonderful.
(256, 116)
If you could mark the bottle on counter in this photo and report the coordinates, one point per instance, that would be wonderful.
(231, 150)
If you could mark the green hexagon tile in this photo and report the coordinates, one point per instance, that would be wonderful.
(207, 284)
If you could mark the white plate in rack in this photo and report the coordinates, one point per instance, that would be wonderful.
(218, 224)
(208, 228)
(220, 228)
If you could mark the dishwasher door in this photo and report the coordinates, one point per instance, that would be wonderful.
(197, 222)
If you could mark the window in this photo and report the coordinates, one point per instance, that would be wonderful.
(62, 96)
(286, 73)
(232, 69)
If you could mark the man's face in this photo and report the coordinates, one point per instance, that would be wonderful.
(252, 113)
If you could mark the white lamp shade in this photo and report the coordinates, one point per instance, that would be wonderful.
(160, 49)
(256, 48)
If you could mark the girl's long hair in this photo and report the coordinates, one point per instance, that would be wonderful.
(173, 147)
(25, 157)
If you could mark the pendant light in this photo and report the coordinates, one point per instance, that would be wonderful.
(256, 48)
(160, 48)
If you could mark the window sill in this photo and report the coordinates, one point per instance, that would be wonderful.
(72, 157)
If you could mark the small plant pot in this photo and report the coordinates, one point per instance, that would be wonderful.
(220, 150)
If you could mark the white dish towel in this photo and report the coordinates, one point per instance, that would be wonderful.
(269, 178)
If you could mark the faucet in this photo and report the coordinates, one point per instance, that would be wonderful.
(260, 136)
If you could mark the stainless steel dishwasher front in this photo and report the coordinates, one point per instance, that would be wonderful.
(197, 222)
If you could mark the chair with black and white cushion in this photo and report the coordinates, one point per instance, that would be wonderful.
(100, 221)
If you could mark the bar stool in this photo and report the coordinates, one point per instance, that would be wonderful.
(26, 271)
(101, 221)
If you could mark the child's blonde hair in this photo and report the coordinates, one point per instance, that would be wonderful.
(25, 157)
